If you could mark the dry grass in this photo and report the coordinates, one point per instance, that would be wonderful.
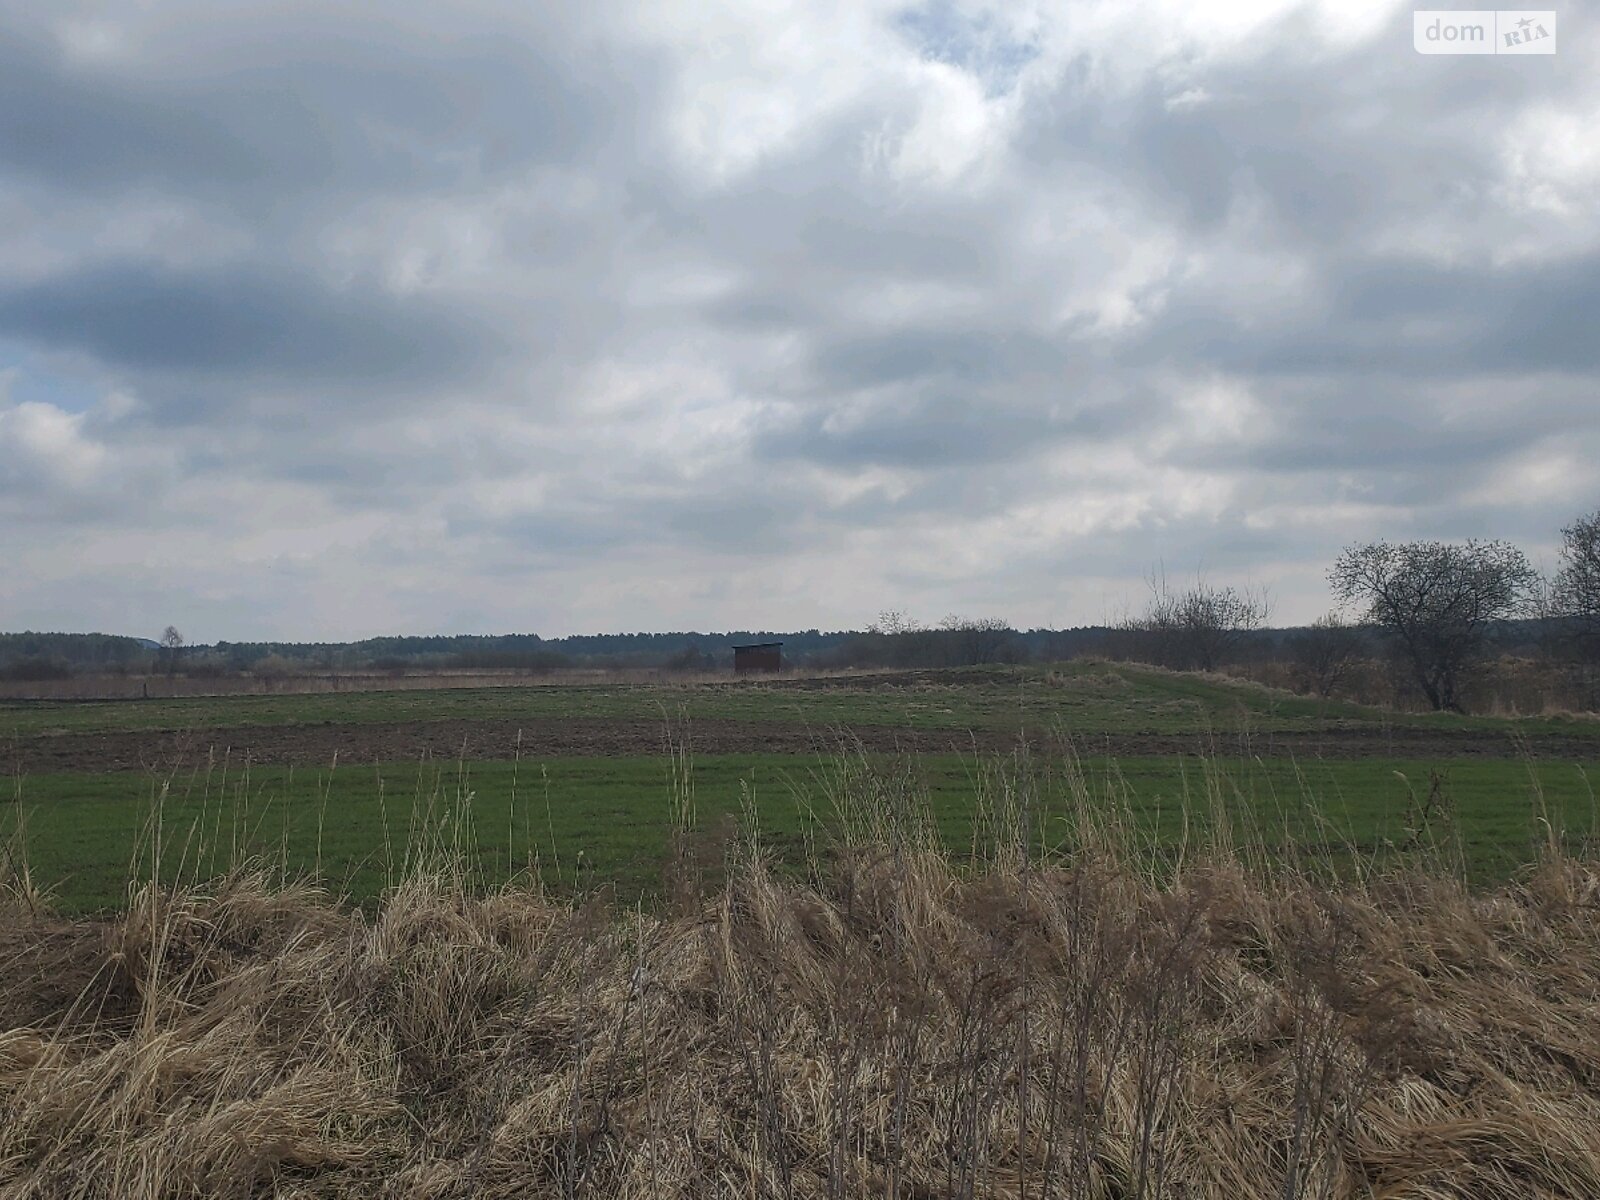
(1077, 1025)
(1505, 686)
(306, 683)
(317, 683)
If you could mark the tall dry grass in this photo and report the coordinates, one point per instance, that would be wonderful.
(1081, 1022)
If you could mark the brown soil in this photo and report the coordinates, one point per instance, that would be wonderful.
(408, 741)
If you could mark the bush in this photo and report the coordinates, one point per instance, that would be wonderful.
(509, 660)
(1199, 629)
(1325, 653)
(35, 670)
(275, 666)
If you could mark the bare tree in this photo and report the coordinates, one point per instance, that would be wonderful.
(1198, 628)
(171, 647)
(1575, 591)
(895, 639)
(894, 620)
(898, 639)
(972, 641)
(1572, 602)
(1325, 651)
(1437, 601)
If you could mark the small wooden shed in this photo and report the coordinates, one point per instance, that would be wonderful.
(759, 658)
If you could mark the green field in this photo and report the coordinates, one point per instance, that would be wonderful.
(1085, 697)
(605, 820)
(581, 823)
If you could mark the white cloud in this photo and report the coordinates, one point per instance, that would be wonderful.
(46, 446)
(328, 320)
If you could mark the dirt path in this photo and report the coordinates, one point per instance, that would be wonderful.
(409, 741)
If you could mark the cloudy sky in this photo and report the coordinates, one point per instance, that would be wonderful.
(321, 320)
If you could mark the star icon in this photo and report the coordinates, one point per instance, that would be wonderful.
(1524, 23)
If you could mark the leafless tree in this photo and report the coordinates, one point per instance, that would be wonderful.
(1571, 602)
(898, 639)
(972, 641)
(1195, 629)
(894, 620)
(1325, 651)
(171, 647)
(1437, 601)
(1575, 591)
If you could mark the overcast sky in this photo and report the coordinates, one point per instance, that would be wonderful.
(324, 320)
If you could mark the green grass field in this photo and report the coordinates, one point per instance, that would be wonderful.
(1085, 697)
(585, 822)
(607, 818)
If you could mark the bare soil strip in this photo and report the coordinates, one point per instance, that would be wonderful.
(409, 741)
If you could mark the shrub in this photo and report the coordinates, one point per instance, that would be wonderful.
(35, 670)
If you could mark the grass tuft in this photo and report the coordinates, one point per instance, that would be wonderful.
(1066, 1014)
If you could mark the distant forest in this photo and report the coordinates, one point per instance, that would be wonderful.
(38, 656)
(1447, 624)
(55, 655)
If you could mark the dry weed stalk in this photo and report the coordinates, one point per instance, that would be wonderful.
(1063, 1023)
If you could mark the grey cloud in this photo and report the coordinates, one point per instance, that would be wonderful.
(936, 430)
(551, 536)
(1523, 318)
(742, 519)
(1324, 150)
(736, 523)
(241, 321)
(284, 107)
(913, 354)
(817, 215)
(619, 305)
(1221, 550)
(764, 309)
(876, 240)
(1415, 318)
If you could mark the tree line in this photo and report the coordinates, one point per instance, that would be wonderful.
(1434, 609)
(1430, 611)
